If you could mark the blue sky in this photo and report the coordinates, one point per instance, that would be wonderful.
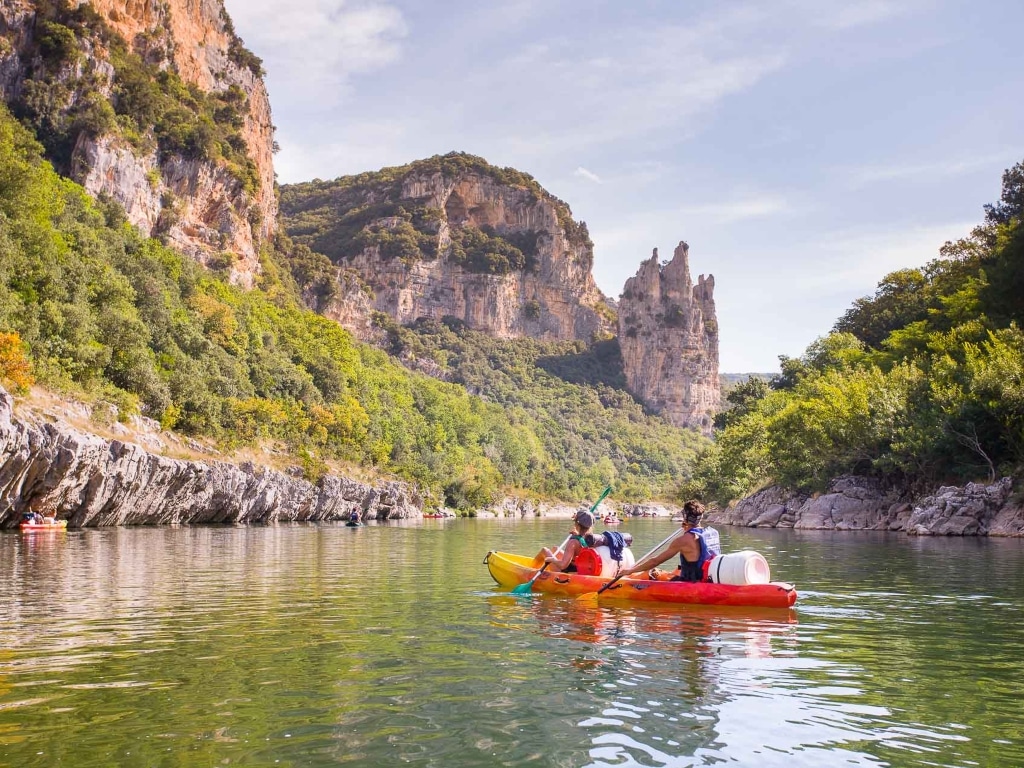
(803, 148)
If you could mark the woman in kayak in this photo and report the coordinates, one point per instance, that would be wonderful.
(696, 548)
(583, 521)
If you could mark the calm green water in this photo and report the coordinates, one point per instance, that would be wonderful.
(323, 645)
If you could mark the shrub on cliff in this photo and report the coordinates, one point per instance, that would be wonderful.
(15, 368)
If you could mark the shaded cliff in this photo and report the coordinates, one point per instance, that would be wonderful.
(157, 105)
(451, 236)
(668, 332)
(48, 466)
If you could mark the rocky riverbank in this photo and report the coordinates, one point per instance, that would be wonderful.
(49, 466)
(861, 503)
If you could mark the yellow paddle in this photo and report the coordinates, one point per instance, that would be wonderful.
(594, 595)
(526, 587)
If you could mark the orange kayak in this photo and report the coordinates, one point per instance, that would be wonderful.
(512, 570)
(60, 525)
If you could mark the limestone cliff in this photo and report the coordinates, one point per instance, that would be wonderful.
(853, 503)
(50, 467)
(156, 105)
(452, 236)
(668, 333)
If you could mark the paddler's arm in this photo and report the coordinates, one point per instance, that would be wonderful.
(654, 560)
(560, 561)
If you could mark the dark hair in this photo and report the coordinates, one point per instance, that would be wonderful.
(584, 519)
(693, 511)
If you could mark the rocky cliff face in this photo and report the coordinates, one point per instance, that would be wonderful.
(668, 333)
(426, 241)
(50, 467)
(57, 70)
(862, 503)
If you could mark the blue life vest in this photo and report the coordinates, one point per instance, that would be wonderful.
(710, 546)
(710, 537)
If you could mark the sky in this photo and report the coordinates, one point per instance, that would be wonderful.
(802, 148)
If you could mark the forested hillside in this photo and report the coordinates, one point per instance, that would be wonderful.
(90, 307)
(569, 394)
(923, 382)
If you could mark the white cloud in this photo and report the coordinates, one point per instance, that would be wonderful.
(583, 173)
(571, 93)
(313, 47)
(841, 15)
(352, 147)
(860, 260)
(737, 210)
(934, 171)
(860, 14)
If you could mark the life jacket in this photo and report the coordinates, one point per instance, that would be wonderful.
(710, 536)
(584, 558)
(710, 547)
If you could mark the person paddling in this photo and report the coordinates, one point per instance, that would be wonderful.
(583, 521)
(696, 547)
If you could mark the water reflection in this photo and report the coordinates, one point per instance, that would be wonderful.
(666, 681)
(317, 645)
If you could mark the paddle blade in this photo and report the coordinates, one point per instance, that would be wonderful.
(526, 588)
(588, 597)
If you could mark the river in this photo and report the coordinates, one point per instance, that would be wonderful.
(321, 645)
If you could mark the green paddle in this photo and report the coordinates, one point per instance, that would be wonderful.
(527, 587)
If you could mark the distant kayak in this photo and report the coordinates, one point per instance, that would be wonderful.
(512, 570)
(350, 524)
(612, 521)
(59, 525)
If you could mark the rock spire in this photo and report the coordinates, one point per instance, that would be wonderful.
(668, 332)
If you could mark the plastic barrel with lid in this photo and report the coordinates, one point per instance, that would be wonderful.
(740, 569)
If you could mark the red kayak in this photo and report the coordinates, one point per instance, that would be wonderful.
(512, 570)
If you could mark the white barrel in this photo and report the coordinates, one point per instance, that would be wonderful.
(740, 568)
(609, 567)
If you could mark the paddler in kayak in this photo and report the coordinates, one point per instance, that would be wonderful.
(696, 547)
(583, 521)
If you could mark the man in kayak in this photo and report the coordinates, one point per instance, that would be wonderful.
(696, 547)
(583, 521)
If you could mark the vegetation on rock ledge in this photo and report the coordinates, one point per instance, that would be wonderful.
(341, 218)
(148, 105)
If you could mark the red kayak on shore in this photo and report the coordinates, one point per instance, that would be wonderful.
(512, 570)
